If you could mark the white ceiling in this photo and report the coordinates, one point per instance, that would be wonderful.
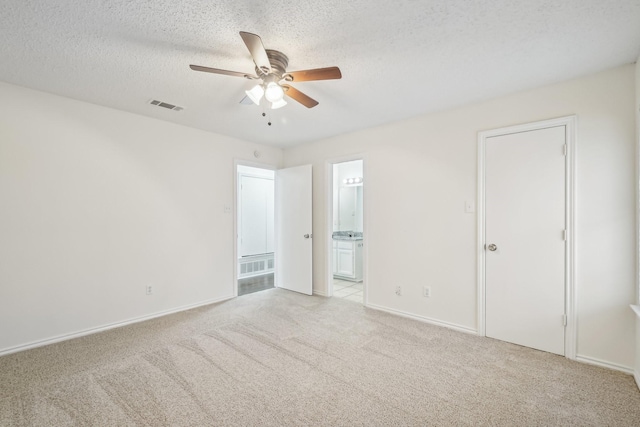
(398, 58)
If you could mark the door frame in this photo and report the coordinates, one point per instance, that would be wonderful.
(329, 223)
(570, 123)
(234, 212)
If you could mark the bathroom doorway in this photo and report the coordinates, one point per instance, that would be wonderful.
(256, 229)
(346, 279)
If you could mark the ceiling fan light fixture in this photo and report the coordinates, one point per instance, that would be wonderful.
(274, 92)
(278, 104)
(271, 68)
(255, 94)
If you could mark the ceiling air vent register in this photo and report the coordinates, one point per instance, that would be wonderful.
(165, 105)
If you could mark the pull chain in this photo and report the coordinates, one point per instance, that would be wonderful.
(268, 117)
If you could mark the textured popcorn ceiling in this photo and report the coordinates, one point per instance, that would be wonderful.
(398, 58)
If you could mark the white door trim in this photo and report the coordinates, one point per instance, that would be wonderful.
(570, 123)
(328, 191)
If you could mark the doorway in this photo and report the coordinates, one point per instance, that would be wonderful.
(256, 229)
(347, 231)
(273, 227)
(525, 227)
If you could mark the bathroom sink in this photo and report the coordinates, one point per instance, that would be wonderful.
(347, 235)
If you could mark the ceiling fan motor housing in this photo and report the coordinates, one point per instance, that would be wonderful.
(278, 61)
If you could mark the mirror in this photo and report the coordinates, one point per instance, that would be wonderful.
(350, 208)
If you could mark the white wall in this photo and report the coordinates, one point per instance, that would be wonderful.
(95, 204)
(419, 172)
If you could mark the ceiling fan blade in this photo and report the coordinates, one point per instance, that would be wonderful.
(256, 48)
(219, 71)
(329, 73)
(303, 99)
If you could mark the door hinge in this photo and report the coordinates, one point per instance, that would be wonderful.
(564, 320)
(564, 235)
(564, 149)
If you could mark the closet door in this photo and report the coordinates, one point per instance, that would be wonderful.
(524, 236)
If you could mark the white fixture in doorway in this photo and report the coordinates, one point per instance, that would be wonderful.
(565, 130)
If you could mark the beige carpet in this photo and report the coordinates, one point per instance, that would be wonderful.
(278, 358)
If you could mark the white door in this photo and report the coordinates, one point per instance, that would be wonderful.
(525, 247)
(293, 229)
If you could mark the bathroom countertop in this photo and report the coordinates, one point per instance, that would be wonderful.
(347, 235)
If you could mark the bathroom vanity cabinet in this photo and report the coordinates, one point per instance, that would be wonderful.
(347, 259)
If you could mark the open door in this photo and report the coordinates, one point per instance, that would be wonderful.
(293, 213)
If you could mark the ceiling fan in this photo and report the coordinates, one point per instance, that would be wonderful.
(271, 68)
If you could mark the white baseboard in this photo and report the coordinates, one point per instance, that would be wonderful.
(65, 337)
(321, 293)
(605, 364)
(637, 377)
(429, 320)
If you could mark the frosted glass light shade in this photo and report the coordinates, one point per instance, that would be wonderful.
(278, 104)
(274, 92)
(255, 94)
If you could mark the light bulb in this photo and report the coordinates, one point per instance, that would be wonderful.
(278, 104)
(274, 92)
(255, 94)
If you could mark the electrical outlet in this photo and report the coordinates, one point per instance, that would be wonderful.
(398, 290)
(149, 290)
(426, 291)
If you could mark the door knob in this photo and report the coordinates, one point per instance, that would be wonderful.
(306, 236)
(492, 247)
